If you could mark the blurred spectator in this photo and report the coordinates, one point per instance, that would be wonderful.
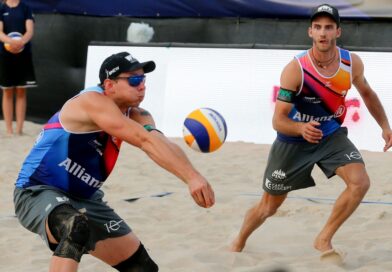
(16, 65)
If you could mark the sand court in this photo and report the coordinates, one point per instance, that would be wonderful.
(180, 236)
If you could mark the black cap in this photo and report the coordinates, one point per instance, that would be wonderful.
(122, 62)
(328, 10)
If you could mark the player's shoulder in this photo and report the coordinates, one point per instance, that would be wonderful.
(291, 76)
(294, 64)
(90, 94)
(355, 58)
(356, 64)
(292, 68)
(89, 99)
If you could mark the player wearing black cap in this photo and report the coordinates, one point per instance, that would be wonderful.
(326, 10)
(58, 193)
(308, 118)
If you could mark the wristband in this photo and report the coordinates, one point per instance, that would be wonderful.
(150, 128)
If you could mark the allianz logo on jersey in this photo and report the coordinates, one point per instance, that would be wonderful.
(279, 174)
(303, 117)
(78, 171)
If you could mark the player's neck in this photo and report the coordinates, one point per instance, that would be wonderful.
(323, 59)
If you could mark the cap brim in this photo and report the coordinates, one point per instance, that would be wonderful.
(147, 66)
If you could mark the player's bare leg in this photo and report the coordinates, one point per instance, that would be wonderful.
(255, 216)
(20, 109)
(357, 181)
(8, 109)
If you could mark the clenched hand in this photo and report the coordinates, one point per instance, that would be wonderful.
(201, 192)
(311, 133)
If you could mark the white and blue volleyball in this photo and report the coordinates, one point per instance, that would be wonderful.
(204, 130)
(14, 36)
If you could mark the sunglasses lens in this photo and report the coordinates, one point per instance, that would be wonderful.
(136, 80)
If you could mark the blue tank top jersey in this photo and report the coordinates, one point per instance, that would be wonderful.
(321, 98)
(77, 163)
(14, 20)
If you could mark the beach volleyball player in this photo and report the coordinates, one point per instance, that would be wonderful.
(57, 192)
(308, 116)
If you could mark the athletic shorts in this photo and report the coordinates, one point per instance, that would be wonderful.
(290, 165)
(16, 70)
(34, 204)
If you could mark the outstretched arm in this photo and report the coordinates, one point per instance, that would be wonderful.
(199, 188)
(371, 100)
(104, 114)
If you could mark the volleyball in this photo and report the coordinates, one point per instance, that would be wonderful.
(204, 130)
(15, 36)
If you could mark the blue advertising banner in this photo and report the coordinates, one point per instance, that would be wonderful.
(349, 9)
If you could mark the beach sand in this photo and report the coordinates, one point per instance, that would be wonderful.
(180, 236)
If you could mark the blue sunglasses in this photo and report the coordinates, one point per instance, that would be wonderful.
(134, 81)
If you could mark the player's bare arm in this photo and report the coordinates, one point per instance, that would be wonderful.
(142, 116)
(371, 100)
(290, 82)
(3, 37)
(107, 116)
(199, 188)
(28, 35)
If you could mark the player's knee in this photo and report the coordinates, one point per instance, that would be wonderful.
(140, 261)
(265, 210)
(70, 228)
(365, 185)
(359, 187)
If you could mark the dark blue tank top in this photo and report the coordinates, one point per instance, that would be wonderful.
(77, 163)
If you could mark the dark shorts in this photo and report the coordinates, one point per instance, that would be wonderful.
(33, 205)
(290, 165)
(16, 70)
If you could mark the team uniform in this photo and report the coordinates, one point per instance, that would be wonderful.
(65, 167)
(321, 99)
(16, 70)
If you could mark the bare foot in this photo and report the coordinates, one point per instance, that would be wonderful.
(236, 245)
(333, 256)
(322, 244)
